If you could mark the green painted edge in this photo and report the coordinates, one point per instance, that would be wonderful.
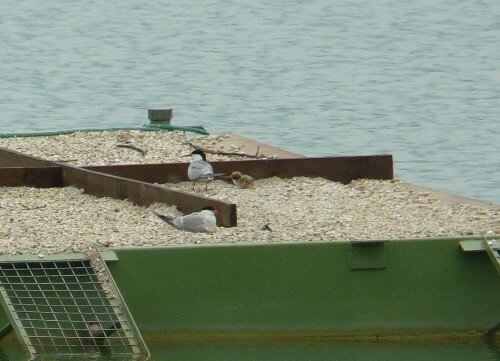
(477, 246)
(290, 243)
(107, 255)
(42, 257)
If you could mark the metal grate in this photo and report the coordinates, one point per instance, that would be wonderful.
(60, 308)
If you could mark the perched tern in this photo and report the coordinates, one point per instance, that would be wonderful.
(204, 221)
(199, 170)
(242, 181)
(95, 331)
(94, 328)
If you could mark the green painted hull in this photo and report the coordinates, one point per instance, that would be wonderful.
(309, 290)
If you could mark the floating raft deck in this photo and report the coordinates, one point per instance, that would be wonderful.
(361, 290)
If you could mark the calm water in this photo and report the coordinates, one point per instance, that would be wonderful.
(418, 79)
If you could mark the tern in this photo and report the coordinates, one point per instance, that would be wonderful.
(95, 331)
(242, 181)
(204, 221)
(199, 169)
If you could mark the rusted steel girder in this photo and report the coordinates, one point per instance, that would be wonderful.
(133, 182)
(38, 177)
(26, 170)
(339, 169)
(144, 194)
(12, 158)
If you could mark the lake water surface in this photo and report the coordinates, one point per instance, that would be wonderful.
(417, 79)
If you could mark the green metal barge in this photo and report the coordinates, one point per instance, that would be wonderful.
(361, 291)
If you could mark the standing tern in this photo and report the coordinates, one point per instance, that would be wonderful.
(204, 221)
(242, 181)
(199, 169)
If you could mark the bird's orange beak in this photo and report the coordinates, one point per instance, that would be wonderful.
(186, 155)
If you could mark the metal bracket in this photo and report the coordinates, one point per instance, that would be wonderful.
(490, 246)
(367, 256)
(108, 255)
(492, 331)
(5, 331)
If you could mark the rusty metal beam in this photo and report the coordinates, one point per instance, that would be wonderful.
(12, 158)
(39, 177)
(25, 170)
(144, 194)
(133, 182)
(339, 169)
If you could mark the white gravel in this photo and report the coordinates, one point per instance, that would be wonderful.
(62, 220)
(299, 209)
(100, 148)
(57, 220)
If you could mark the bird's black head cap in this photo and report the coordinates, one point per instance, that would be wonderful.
(200, 152)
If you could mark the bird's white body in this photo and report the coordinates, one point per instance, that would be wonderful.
(199, 169)
(94, 328)
(204, 221)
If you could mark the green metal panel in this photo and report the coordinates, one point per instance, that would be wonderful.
(423, 285)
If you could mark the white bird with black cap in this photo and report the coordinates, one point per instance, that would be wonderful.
(204, 221)
(199, 170)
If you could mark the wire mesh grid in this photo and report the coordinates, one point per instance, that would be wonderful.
(60, 308)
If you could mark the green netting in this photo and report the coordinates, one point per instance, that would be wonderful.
(145, 127)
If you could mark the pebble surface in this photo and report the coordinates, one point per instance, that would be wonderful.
(102, 148)
(64, 220)
(61, 220)
(298, 209)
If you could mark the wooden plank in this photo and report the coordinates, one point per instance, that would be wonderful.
(144, 194)
(339, 169)
(39, 177)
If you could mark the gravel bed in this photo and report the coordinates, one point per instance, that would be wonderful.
(60, 220)
(316, 209)
(64, 220)
(101, 148)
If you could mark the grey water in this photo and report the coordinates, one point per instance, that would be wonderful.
(416, 79)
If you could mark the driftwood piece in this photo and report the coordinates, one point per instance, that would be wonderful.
(220, 152)
(130, 146)
(26, 208)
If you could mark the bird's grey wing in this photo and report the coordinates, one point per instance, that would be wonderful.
(200, 170)
(193, 222)
(168, 219)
